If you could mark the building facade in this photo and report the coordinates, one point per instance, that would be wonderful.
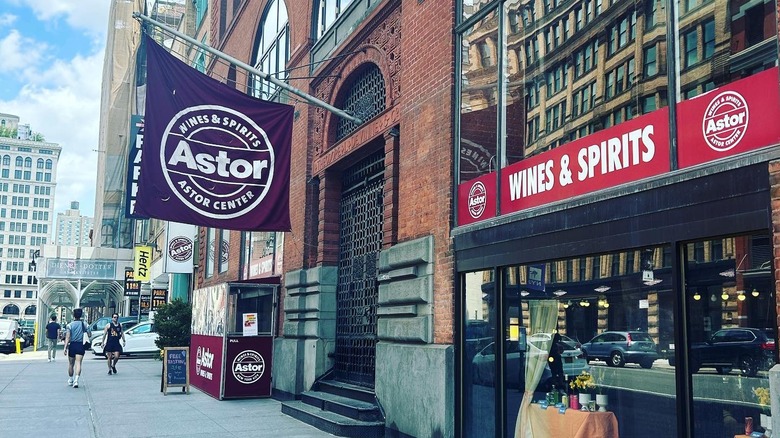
(365, 275)
(28, 179)
(566, 225)
(72, 228)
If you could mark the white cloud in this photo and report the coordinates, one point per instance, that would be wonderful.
(60, 98)
(19, 53)
(64, 106)
(88, 15)
(7, 19)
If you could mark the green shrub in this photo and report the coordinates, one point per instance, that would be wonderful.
(172, 322)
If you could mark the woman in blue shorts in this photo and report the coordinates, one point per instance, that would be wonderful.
(74, 346)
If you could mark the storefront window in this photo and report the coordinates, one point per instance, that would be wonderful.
(479, 99)
(479, 357)
(605, 318)
(731, 305)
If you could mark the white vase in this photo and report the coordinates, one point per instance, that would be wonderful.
(766, 423)
(602, 400)
(584, 400)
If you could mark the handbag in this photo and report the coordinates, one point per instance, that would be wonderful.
(85, 338)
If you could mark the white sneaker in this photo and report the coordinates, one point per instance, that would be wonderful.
(49, 360)
(70, 382)
(76, 382)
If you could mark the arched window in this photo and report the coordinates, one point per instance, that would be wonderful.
(6, 160)
(48, 164)
(272, 51)
(28, 162)
(39, 163)
(365, 98)
(30, 310)
(11, 309)
(327, 13)
(19, 161)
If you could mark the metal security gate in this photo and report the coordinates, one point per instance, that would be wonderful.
(357, 291)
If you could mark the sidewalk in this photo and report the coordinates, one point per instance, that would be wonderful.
(35, 400)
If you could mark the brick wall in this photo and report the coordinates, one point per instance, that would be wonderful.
(774, 181)
(425, 165)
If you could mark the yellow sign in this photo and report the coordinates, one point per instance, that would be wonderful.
(143, 261)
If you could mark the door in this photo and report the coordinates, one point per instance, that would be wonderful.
(361, 219)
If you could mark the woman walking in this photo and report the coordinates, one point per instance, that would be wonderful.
(74, 346)
(113, 350)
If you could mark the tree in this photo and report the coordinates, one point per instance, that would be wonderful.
(172, 322)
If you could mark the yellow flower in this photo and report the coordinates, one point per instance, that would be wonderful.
(763, 395)
(583, 382)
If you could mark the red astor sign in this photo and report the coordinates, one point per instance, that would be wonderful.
(738, 117)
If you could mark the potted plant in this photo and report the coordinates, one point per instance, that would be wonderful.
(172, 322)
(583, 385)
(765, 401)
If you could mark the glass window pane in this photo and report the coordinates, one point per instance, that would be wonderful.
(731, 304)
(618, 327)
(742, 33)
(479, 103)
(479, 389)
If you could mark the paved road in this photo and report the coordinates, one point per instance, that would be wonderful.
(36, 401)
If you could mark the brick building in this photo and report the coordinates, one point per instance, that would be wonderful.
(366, 272)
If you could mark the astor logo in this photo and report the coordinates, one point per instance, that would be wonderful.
(248, 367)
(180, 248)
(477, 200)
(217, 161)
(725, 121)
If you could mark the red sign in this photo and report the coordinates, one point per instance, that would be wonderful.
(477, 199)
(206, 364)
(633, 150)
(739, 117)
(248, 366)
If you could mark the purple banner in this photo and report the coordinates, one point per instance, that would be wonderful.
(134, 165)
(212, 155)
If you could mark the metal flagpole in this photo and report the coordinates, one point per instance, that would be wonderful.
(309, 98)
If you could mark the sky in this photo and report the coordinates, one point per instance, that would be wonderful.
(51, 66)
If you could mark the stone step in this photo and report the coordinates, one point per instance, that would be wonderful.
(346, 390)
(332, 422)
(348, 407)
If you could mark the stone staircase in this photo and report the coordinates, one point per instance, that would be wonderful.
(339, 408)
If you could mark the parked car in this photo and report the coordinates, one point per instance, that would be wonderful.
(483, 364)
(618, 348)
(27, 336)
(9, 330)
(126, 325)
(746, 349)
(139, 339)
(571, 354)
(99, 324)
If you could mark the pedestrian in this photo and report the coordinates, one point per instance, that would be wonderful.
(52, 335)
(74, 346)
(112, 349)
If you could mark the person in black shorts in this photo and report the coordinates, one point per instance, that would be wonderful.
(74, 346)
(111, 336)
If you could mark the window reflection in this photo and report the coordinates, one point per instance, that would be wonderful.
(479, 358)
(479, 100)
(610, 315)
(730, 295)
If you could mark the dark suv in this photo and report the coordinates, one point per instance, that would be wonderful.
(746, 349)
(618, 348)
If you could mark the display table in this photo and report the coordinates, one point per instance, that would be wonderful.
(576, 424)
